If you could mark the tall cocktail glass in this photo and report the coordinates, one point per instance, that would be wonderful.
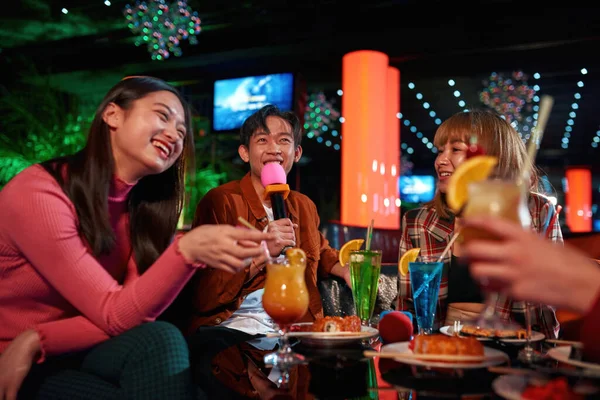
(497, 198)
(285, 299)
(365, 268)
(425, 278)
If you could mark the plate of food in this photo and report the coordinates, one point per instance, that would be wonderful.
(442, 351)
(572, 356)
(523, 387)
(515, 336)
(332, 331)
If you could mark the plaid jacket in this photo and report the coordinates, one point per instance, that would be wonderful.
(424, 228)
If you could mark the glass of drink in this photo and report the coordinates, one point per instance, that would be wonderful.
(528, 354)
(497, 198)
(285, 299)
(425, 278)
(365, 268)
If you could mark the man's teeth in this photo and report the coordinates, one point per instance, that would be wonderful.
(161, 146)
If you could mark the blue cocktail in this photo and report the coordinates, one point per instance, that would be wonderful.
(425, 280)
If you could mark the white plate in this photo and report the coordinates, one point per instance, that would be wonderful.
(496, 357)
(510, 387)
(331, 339)
(535, 336)
(561, 354)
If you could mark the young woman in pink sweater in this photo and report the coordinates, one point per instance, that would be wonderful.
(89, 256)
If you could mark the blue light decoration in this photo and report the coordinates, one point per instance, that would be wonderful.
(162, 26)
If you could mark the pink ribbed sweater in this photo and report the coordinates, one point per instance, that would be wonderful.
(50, 282)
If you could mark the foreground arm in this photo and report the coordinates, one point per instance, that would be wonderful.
(48, 237)
(530, 268)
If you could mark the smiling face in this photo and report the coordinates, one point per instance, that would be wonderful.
(147, 138)
(450, 156)
(275, 144)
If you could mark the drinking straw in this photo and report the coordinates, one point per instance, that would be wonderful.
(546, 104)
(363, 270)
(426, 283)
(246, 223)
(549, 217)
(553, 220)
(263, 244)
(369, 235)
(450, 243)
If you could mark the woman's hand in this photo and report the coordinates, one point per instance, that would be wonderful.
(530, 268)
(223, 247)
(16, 361)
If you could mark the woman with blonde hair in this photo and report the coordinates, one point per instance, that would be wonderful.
(431, 226)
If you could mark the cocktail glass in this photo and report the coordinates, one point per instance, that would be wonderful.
(425, 278)
(497, 198)
(285, 299)
(365, 268)
(528, 354)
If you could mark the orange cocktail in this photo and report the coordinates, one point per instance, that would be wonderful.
(495, 198)
(285, 298)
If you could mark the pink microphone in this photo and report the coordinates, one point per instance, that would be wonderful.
(273, 179)
(273, 174)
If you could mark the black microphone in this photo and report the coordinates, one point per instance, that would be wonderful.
(273, 179)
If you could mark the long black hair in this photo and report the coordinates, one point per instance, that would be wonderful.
(156, 201)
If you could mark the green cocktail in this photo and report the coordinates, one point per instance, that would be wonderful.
(365, 268)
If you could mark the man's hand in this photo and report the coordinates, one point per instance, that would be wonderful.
(283, 230)
(342, 272)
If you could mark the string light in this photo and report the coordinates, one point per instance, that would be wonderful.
(509, 96)
(512, 98)
(418, 134)
(426, 105)
(461, 103)
(530, 121)
(162, 26)
(573, 114)
(596, 139)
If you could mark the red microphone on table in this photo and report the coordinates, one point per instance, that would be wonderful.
(395, 326)
(274, 180)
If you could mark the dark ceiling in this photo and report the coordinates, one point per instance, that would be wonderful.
(90, 48)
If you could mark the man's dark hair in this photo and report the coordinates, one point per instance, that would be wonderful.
(258, 120)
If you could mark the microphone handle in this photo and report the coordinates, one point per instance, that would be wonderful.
(278, 205)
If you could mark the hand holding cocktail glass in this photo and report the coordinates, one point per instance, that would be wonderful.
(471, 193)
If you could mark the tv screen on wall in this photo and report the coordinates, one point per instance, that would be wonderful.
(417, 188)
(236, 99)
